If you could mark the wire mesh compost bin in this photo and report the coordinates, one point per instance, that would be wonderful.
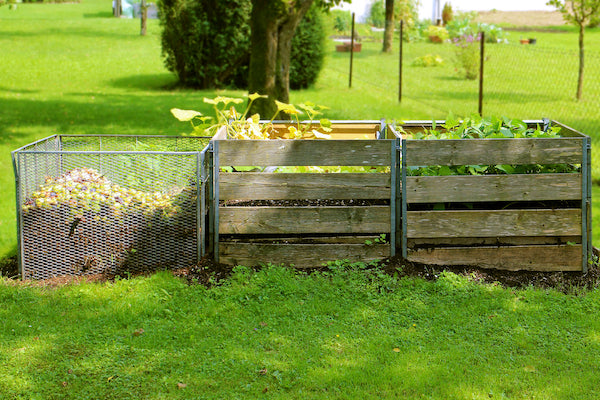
(89, 204)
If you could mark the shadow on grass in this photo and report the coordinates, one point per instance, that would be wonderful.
(99, 114)
(162, 82)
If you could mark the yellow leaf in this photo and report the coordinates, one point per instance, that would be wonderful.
(396, 349)
(320, 135)
(185, 115)
(255, 96)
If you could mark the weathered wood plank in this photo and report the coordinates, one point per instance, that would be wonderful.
(492, 241)
(292, 220)
(433, 189)
(304, 239)
(493, 151)
(512, 258)
(275, 186)
(433, 224)
(304, 152)
(299, 255)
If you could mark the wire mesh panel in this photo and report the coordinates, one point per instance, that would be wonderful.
(88, 210)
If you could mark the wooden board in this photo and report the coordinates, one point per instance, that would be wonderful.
(282, 152)
(298, 255)
(341, 131)
(493, 151)
(433, 224)
(433, 189)
(512, 258)
(275, 186)
(492, 241)
(292, 220)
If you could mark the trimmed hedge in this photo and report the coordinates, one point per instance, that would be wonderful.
(308, 50)
(205, 43)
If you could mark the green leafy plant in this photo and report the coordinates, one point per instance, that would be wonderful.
(428, 60)
(437, 34)
(240, 125)
(467, 55)
(477, 127)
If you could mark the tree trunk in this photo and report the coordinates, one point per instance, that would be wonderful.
(263, 57)
(388, 34)
(581, 62)
(271, 46)
(144, 10)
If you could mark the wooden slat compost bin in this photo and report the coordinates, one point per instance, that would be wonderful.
(304, 219)
(515, 222)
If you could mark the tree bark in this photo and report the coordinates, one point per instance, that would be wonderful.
(388, 34)
(273, 28)
(581, 62)
(144, 17)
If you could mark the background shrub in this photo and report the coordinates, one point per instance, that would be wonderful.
(308, 50)
(206, 43)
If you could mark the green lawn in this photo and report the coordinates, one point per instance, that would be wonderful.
(71, 68)
(342, 334)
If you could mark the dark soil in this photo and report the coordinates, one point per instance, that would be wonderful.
(209, 274)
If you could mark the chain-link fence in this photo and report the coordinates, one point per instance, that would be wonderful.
(109, 204)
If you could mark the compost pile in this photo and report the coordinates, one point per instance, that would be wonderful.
(82, 223)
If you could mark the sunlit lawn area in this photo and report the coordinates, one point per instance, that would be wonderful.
(344, 334)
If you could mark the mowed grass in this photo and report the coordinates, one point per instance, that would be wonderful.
(72, 68)
(347, 333)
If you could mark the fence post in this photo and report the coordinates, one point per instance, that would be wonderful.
(351, 52)
(481, 62)
(400, 67)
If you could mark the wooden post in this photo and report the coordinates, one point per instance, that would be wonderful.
(144, 10)
(481, 62)
(351, 52)
(400, 67)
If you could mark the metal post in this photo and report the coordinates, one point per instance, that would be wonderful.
(351, 52)
(215, 200)
(16, 165)
(211, 221)
(481, 62)
(586, 209)
(393, 196)
(403, 199)
(199, 205)
(400, 67)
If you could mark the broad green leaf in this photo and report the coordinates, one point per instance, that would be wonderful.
(185, 115)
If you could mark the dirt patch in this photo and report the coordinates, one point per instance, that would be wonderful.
(566, 282)
(521, 19)
(209, 274)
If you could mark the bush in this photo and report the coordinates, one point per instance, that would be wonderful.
(467, 55)
(428, 60)
(437, 34)
(308, 50)
(447, 13)
(206, 43)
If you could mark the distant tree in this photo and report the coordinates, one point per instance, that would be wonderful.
(388, 33)
(273, 24)
(579, 13)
